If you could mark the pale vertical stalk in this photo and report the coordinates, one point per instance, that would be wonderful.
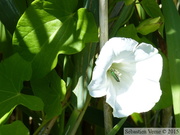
(103, 20)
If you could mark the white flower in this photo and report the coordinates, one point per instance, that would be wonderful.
(128, 74)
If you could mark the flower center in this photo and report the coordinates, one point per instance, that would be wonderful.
(115, 74)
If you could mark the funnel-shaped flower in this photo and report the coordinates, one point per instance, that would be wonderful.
(128, 74)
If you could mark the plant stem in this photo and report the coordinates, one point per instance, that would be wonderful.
(103, 20)
(107, 117)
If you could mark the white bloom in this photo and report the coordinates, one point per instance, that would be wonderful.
(128, 74)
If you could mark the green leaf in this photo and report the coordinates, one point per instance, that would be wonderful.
(60, 8)
(51, 89)
(149, 25)
(83, 63)
(128, 2)
(10, 12)
(166, 97)
(5, 41)
(5, 118)
(82, 75)
(40, 36)
(13, 71)
(153, 10)
(129, 31)
(15, 128)
(117, 127)
(172, 21)
(123, 18)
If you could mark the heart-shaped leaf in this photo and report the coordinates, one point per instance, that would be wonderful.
(13, 71)
(51, 89)
(40, 36)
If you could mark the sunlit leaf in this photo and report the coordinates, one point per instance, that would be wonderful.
(149, 25)
(172, 21)
(13, 71)
(40, 36)
(83, 64)
(82, 74)
(153, 10)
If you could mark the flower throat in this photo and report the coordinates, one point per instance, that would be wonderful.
(115, 74)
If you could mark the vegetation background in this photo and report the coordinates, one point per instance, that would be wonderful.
(47, 53)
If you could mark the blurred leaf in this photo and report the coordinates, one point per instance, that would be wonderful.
(128, 2)
(149, 25)
(137, 118)
(10, 12)
(172, 21)
(15, 128)
(5, 41)
(166, 97)
(83, 64)
(13, 71)
(124, 16)
(60, 8)
(40, 36)
(51, 89)
(117, 127)
(5, 118)
(141, 12)
(153, 10)
(129, 32)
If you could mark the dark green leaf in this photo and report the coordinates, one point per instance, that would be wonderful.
(13, 71)
(152, 8)
(60, 8)
(15, 128)
(124, 17)
(51, 89)
(10, 12)
(5, 41)
(128, 2)
(129, 32)
(117, 127)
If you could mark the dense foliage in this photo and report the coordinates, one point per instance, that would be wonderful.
(47, 53)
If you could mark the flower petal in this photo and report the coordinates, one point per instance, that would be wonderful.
(140, 97)
(112, 51)
(151, 68)
(144, 51)
(97, 86)
(115, 88)
(138, 67)
(115, 50)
